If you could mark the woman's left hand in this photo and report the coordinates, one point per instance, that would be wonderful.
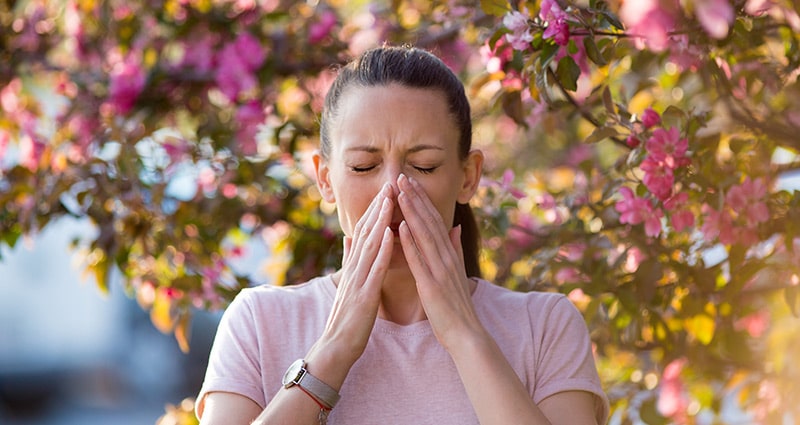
(434, 254)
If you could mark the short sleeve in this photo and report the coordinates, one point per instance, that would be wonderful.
(233, 364)
(565, 361)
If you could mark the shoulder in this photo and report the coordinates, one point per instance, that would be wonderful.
(536, 302)
(544, 312)
(257, 300)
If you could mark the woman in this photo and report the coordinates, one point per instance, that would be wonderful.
(400, 334)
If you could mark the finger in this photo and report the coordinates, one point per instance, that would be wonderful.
(381, 264)
(371, 243)
(368, 214)
(366, 223)
(347, 244)
(455, 240)
(417, 264)
(424, 221)
(421, 202)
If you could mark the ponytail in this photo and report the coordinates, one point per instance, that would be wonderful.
(470, 238)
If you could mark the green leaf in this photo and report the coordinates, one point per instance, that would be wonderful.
(497, 36)
(608, 101)
(593, 52)
(548, 51)
(495, 7)
(568, 73)
(601, 133)
(674, 116)
(613, 20)
(512, 106)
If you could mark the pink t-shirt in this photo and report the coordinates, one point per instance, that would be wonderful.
(404, 375)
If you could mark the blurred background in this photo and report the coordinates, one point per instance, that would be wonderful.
(70, 354)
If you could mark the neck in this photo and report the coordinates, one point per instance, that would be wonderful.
(400, 301)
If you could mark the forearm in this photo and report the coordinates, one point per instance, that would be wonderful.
(494, 389)
(293, 405)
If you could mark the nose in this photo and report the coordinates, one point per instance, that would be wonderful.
(390, 176)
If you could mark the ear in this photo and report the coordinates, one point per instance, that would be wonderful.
(473, 167)
(322, 172)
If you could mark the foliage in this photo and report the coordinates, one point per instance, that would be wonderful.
(646, 148)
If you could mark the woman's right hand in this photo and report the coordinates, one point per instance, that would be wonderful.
(364, 264)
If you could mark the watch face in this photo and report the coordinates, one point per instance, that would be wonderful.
(293, 374)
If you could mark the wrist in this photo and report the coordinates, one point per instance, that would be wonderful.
(469, 344)
(329, 363)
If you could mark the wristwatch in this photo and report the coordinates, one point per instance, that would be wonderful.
(297, 374)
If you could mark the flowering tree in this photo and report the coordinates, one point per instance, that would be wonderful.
(647, 149)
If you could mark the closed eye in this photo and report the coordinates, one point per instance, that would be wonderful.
(424, 170)
(362, 169)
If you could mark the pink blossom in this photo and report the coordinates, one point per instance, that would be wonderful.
(633, 259)
(497, 58)
(4, 138)
(73, 26)
(551, 10)
(634, 210)
(238, 62)
(521, 235)
(516, 21)
(754, 323)
(715, 16)
(685, 55)
(83, 130)
(632, 141)
(680, 216)
(506, 184)
(738, 219)
(718, 224)
(667, 146)
(31, 150)
(249, 117)
(769, 400)
(127, 79)
(207, 180)
(250, 51)
(757, 7)
(649, 21)
(557, 22)
(176, 148)
(572, 251)
(578, 297)
(658, 178)
(569, 275)
(199, 53)
(229, 190)
(322, 28)
(520, 40)
(520, 37)
(672, 399)
(749, 198)
(9, 96)
(650, 118)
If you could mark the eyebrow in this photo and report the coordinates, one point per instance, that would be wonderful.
(414, 149)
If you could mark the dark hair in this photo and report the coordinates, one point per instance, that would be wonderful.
(417, 68)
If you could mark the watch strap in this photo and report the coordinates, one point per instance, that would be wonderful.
(318, 389)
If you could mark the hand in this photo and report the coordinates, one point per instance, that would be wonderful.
(364, 264)
(436, 259)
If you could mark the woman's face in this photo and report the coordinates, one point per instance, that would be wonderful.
(383, 131)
